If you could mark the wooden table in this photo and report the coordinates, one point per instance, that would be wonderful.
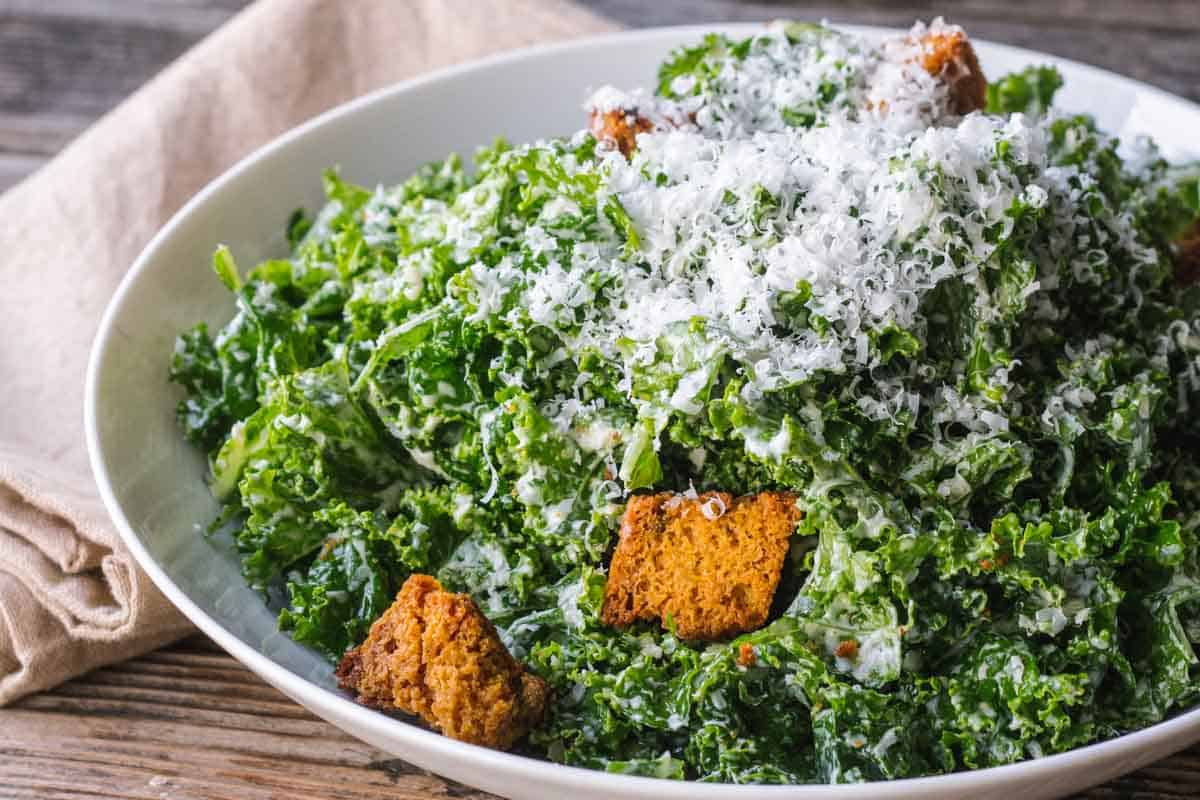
(190, 722)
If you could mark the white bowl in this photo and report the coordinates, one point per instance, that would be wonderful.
(153, 482)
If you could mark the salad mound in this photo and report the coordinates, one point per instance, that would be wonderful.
(966, 341)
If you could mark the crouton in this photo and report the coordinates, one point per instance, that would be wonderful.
(434, 654)
(949, 56)
(618, 127)
(1187, 256)
(710, 563)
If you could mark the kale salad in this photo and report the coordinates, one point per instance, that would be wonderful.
(960, 335)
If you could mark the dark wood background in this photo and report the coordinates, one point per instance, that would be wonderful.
(190, 722)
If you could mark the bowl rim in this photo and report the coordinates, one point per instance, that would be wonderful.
(1174, 733)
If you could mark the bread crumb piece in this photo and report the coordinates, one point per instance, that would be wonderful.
(434, 654)
(619, 127)
(714, 577)
(949, 56)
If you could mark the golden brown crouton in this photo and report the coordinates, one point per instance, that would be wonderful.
(434, 654)
(618, 127)
(714, 573)
(948, 55)
(1187, 256)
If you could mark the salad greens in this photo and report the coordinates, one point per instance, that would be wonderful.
(959, 340)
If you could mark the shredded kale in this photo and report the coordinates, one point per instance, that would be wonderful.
(1029, 91)
(998, 558)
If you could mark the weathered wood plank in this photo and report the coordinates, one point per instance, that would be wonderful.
(15, 167)
(204, 728)
(40, 133)
(194, 18)
(78, 66)
(187, 710)
(148, 771)
(196, 692)
(66, 62)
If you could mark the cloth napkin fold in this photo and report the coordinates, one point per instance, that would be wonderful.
(71, 596)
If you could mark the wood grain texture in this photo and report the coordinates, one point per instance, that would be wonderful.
(64, 63)
(190, 722)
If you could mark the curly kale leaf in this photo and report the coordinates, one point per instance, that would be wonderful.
(350, 583)
(1030, 91)
(309, 445)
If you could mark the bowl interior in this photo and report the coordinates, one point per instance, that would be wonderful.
(153, 481)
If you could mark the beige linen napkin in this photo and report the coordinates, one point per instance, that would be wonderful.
(71, 597)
